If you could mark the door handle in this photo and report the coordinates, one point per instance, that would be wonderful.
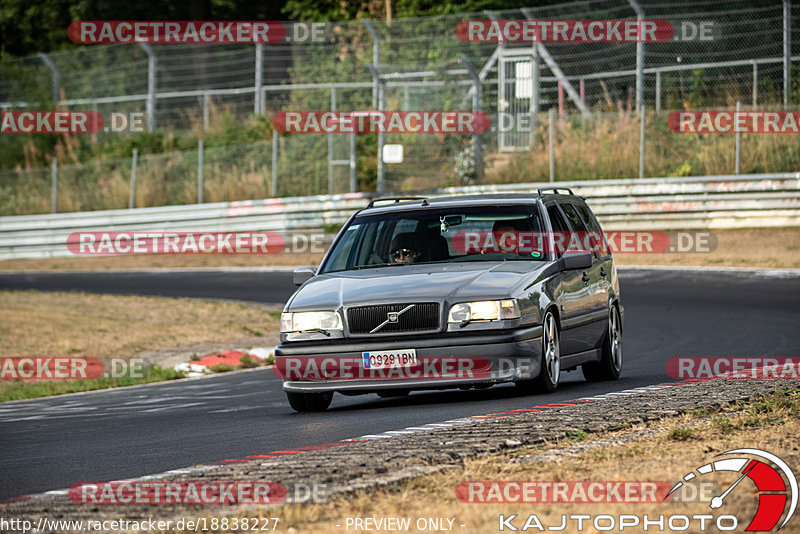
(603, 272)
(586, 278)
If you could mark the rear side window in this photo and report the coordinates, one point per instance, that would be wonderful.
(588, 217)
(559, 227)
(574, 219)
(599, 243)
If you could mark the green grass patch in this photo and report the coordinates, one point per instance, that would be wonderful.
(32, 389)
(578, 435)
(680, 434)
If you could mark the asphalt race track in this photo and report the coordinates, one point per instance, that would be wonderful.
(54, 443)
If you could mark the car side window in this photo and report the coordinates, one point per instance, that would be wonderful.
(574, 219)
(582, 239)
(598, 239)
(343, 257)
(559, 229)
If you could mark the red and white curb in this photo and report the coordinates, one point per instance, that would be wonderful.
(202, 366)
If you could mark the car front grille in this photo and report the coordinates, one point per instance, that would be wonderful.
(422, 316)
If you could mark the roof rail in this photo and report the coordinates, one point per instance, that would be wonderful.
(554, 190)
(394, 199)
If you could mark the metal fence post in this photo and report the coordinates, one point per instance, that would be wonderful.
(476, 106)
(206, 99)
(535, 81)
(376, 59)
(134, 162)
(258, 106)
(381, 135)
(535, 92)
(738, 141)
(639, 55)
(353, 177)
(150, 107)
(200, 171)
(56, 77)
(54, 184)
(755, 84)
(551, 117)
(641, 142)
(787, 52)
(274, 163)
(381, 186)
(330, 145)
(658, 91)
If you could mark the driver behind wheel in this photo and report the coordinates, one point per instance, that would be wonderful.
(405, 248)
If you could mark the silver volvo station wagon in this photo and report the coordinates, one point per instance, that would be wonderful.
(454, 292)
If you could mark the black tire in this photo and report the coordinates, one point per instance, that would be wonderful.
(309, 402)
(550, 372)
(610, 365)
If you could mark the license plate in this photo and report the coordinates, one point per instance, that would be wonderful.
(389, 359)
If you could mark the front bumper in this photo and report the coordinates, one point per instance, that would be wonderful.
(511, 355)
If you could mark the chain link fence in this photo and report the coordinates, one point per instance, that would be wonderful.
(723, 53)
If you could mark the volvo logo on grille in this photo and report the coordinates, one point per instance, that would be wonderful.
(391, 317)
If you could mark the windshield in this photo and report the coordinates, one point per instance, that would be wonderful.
(438, 236)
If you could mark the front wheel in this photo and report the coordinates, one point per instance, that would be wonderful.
(550, 372)
(309, 402)
(610, 365)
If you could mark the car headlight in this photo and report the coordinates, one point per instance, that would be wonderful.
(302, 321)
(484, 310)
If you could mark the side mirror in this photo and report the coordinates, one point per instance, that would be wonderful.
(576, 260)
(302, 274)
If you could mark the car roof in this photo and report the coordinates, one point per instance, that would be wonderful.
(498, 199)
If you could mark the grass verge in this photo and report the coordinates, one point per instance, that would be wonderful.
(51, 324)
(21, 389)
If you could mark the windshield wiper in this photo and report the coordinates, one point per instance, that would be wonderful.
(358, 267)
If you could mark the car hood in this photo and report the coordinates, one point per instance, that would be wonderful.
(414, 283)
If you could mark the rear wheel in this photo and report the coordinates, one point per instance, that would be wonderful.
(610, 365)
(309, 402)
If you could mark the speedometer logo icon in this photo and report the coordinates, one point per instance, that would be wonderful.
(771, 476)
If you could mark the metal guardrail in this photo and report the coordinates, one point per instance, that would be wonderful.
(736, 201)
